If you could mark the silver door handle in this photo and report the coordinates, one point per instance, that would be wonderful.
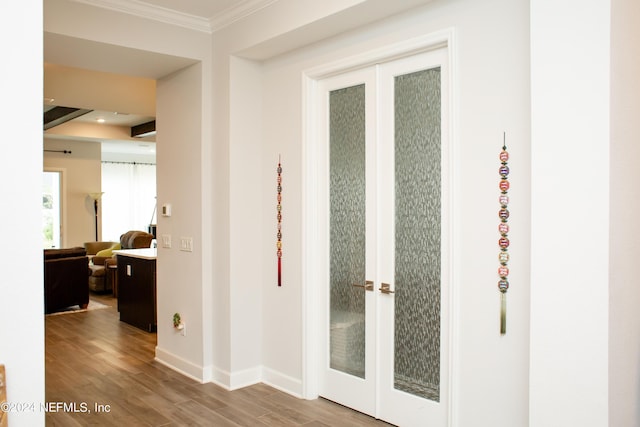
(368, 285)
(385, 288)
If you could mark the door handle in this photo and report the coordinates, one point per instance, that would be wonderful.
(368, 285)
(385, 288)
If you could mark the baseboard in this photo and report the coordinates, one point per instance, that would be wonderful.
(246, 378)
(183, 366)
(236, 380)
(221, 378)
(282, 382)
(231, 381)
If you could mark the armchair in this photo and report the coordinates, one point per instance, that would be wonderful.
(98, 252)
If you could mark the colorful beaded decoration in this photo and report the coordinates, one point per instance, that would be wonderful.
(279, 216)
(503, 242)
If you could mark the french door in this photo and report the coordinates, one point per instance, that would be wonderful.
(385, 340)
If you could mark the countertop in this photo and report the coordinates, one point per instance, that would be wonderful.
(146, 253)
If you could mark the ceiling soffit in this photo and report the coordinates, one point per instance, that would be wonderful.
(57, 115)
(208, 24)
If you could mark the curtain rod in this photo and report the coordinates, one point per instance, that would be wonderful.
(128, 163)
(58, 151)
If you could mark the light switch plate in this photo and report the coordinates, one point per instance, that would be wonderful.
(186, 244)
(166, 240)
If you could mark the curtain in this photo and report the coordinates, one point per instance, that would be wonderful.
(129, 198)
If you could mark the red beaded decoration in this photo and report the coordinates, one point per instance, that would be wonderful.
(503, 242)
(279, 217)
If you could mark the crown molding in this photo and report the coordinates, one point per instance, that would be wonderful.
(237, 12)
(170, 16)
(157, 13)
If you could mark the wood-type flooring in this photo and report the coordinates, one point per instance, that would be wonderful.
(102, 372)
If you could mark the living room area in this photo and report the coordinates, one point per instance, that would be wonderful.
(99, 167)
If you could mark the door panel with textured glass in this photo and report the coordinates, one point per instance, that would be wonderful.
(414, 327)
(348, 361)
(386, 331)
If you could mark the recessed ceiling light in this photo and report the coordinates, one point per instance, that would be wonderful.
(100, 120)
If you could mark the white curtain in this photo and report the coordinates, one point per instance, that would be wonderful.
(129, 198)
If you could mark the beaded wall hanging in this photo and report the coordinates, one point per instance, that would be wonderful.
(503, 242)
(279, 217)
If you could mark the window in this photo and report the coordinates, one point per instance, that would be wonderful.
(129, 198)
(51, 208)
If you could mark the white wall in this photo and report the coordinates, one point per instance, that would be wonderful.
(492, 88)
(246, 225)
(21, 295)
(570, 212)
(624, 295)
(82, 170)
(179, 273)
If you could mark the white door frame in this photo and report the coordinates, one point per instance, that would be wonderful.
(313, 246)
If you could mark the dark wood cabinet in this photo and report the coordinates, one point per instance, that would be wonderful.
(137, 288)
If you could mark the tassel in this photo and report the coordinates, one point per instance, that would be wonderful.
(503, 313)
(279, 217)
(503, 228)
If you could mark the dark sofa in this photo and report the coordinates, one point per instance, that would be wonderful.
(66, 278)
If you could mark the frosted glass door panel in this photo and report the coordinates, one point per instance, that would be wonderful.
(347, 229)
(417, 233)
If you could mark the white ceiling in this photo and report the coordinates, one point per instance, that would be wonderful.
(113, 118)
